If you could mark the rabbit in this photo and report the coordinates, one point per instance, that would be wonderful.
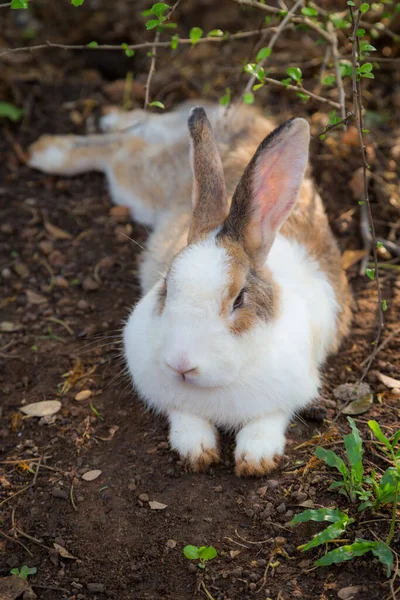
(244, 295)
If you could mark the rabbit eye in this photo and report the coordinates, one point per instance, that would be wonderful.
(239, 300)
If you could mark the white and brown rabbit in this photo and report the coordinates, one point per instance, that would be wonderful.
(244, 295)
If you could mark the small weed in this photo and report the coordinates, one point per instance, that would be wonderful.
(202, 554)
(24, 572)
(367, 490)
(97, 414)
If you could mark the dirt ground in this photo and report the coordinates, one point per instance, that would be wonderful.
(68, 280)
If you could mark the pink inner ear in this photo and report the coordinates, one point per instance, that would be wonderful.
(277, 184)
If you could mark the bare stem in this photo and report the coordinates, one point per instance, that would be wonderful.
(299, 88)
(358, 109)
(151, 70)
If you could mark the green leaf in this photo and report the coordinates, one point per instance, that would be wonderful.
(364, 7)
(395, 440)
(263, 53)
(330, 533)
(11, 112)
(378, 244)
(365, 505)
(370, 273)
(384, 305)
(368, 75)
(295, 73)
(257, 86)
(353, 444)
(366, 68)
(377, 431)
(384, 554)
(14, 572)
(248, 98)
(367, 131)
(367, 47)
(332, 460)
(329, 80)
(322, 136)
(309, 12)
(174, 41)
(157, 103)
(17, 4)
(191, 552)
(195, 34)
(159, 8)
(360, 32)
(77, 2)
(350, 3)
(152, 24)
(226, 98)
(303, 97)
(215, 33)
(335, 485)
(128, 50)
(207, 553)
(92, 45)
(345, 553)
(319, 515)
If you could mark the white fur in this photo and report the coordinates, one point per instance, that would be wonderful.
(264, 375)
(190, 435)
(50, 160)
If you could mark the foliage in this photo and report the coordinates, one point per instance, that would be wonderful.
(356, 486)
(24, 572)
(11, 112)
(203, 554)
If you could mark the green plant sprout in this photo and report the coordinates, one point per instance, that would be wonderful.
(202, 554)
(24, 572)
(370, 491)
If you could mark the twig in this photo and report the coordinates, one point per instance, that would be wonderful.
(331, 126)
(358, 109)
(11, 539)
(152, 69)
(113, 47)
(272, 43)
(209, 596)
(71, 495)
(297, 20)
(383, 344)
(299, 88)
(339, 80)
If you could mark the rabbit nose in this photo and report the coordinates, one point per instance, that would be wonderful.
(183, 368)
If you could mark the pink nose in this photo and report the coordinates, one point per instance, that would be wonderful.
(183, 368)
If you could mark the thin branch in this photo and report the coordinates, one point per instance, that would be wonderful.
(358, 109)
(272, 43)
(298, 20)
(383, 344)
(336, 61)
(331, 126)
(299, 88)
(184, 41)
(152, 69)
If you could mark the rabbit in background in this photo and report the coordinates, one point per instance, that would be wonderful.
(244, 295)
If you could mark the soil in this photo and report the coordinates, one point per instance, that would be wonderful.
(66, 293)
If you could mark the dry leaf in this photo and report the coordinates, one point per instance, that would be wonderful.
(83, 395)
(307, 504)
(234, 553)
(112, 431)
(63, 552)
(351, 257)
(35, 298)
(359, 406)
(41, 409)
(392, 384)
(91, 475)
(348, 593)
(57, 232)
(357, 183)
(154, 505)
(171, 543)
(9, 327)
(12, 587)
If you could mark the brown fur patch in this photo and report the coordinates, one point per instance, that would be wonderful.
(260, 296)
(253, 468)
(161, 298)
(210, 205)
(209, 456)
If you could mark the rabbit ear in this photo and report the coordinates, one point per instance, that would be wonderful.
(210, 205)
(269, 188)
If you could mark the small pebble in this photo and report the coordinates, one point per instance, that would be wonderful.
(95, 588)
(144, 497)
(57, 493)
(281, 509)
